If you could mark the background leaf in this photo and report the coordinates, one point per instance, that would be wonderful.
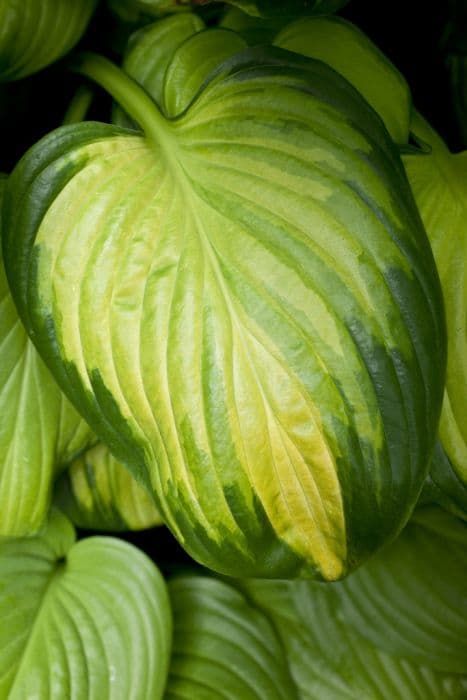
(385, 632)
(34, 34)
(223, 647)
(98, 493)
(39, 429)
(439, 184)
(90, 619)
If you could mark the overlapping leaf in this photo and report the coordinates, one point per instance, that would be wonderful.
(348, 50)
(393, 629)
(256, 325)
(39, 429)
(34, 34)
(439, 183)
(223, 647)
(287, 8)
(96, 492)
(81, 620)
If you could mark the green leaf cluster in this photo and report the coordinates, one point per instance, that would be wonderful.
(233, 303)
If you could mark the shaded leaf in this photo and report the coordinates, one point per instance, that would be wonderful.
(223, 647)
(98, 493)
(34, 34)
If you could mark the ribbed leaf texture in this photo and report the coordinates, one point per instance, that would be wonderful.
(256, 325)
(34, 34)
(81, 620)
(393, 629)
(223, 647)
(439, 184)
(97, 492)
(149, 52)
(39, 429)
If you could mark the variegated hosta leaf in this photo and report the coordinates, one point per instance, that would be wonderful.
(350, 52)
(81, 620)
(34, 34)
(439, 183)
(223, 647)
(255, 323)
(39, 429)
(149, 53)
(384, 633)
(99, 493)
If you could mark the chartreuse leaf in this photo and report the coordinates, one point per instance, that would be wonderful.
(34, 34)
(98, 493)
(81, 620)
(223, 647)
(256, 323)
(439, 183)
(349, 51)
(150, 50)
(385, 632)
(39, 429)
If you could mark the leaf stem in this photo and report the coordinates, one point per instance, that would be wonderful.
(126, 91)
(79, 105)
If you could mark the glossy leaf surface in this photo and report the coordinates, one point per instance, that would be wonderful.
(34, 34)
(223, 647)
(256, 328)
(39, 429)
(81, 620)
(98, 493)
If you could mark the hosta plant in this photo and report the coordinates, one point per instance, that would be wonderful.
(244, 305)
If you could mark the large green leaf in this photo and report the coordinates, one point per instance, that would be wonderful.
(439, 183)
(349, 51)
(256, 323)
(410, 600)
(39, 429)
(96, 492)
(386, 632)
(81, 620)
(223, 647)
(34, 34)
